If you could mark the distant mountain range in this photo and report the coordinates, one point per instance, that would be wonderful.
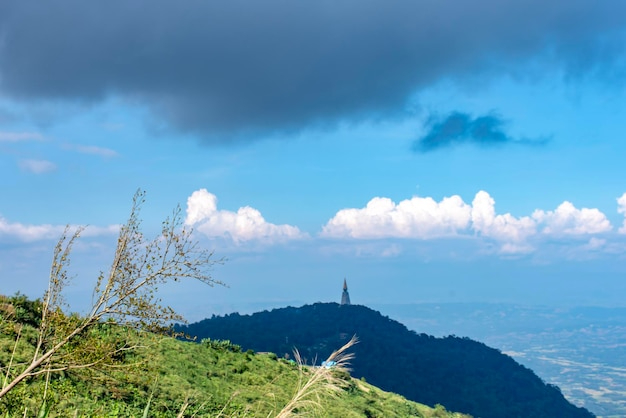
(460, 373)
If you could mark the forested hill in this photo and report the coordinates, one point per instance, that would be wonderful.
(462, 374)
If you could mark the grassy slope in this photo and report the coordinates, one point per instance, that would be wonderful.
(209, 380)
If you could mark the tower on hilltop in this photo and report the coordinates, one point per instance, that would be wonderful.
(345, 297)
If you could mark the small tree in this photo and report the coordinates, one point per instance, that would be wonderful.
(126, 295)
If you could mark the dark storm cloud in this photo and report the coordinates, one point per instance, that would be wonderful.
(458, 128)
(223, 68)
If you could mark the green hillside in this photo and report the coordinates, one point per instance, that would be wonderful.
(165, 377)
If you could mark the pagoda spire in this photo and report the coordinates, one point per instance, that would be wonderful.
(345, 296)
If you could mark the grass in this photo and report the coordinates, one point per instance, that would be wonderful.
(318, 383)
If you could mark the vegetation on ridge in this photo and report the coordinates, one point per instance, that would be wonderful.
(177, 378)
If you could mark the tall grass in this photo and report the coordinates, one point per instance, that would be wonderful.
(317, 382)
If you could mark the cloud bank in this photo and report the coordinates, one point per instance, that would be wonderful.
(418, 218)
(567, 220)
(31, 233)
(424, 218)
(223, 69)
(247, 224)
(415, 218)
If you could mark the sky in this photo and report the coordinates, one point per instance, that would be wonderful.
(426, 151)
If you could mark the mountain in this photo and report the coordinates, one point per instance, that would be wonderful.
(462, 374)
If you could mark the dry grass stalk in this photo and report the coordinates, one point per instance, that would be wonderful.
(315, 382)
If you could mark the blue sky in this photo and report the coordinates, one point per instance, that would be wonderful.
(426, 151)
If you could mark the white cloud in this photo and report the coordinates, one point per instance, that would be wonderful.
(93, 150)
(414, 218)
(595, 244)
(31, 233)
(391, 251)
(20, 136)
(505, 227)
(424, 218)
(621, 208)
(37, 166)
(567, 220)
(247, 224)
(97, 231)
(510, 249)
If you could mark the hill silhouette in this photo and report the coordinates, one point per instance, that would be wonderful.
(462, 374)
